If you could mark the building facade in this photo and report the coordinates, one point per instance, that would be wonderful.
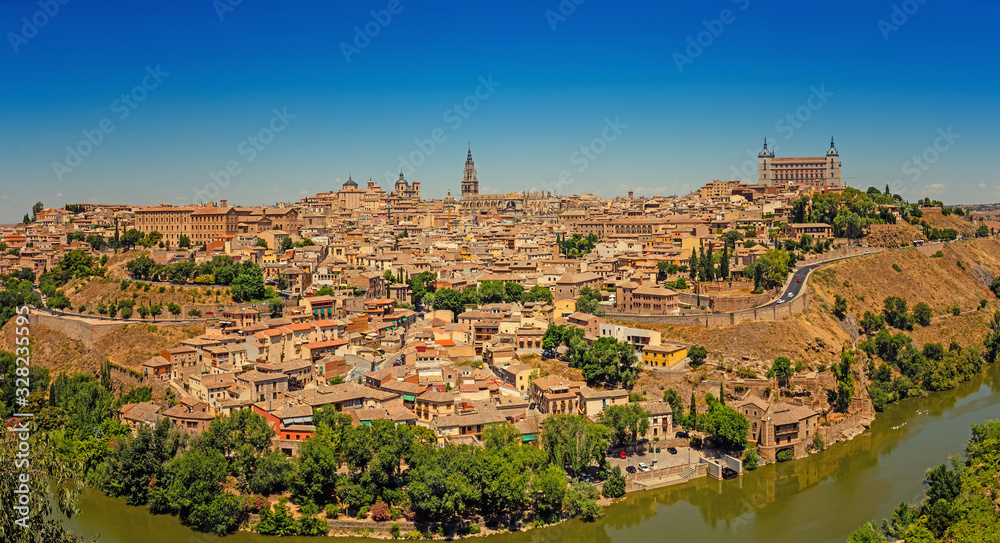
(817, 172)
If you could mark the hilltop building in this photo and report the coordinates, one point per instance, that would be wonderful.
(815, 172)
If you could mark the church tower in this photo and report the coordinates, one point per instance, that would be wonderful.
(765, 175)
(833, 166)
(470, 185)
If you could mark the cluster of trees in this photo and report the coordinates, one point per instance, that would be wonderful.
(709, 265)
(245, 279)
(807, 244)
(852, 211)
(605, 361)
(421, 285)
(74, 264)
(666, 269)
(488, 292)
(770, 270)
(904, 368)
(577, 245)
(845, 380)
(352, 467)
(17, 291)
(934, 234)
(955, 506)
(98, 243)
(895, 313)
(589, 301)
(726, 426)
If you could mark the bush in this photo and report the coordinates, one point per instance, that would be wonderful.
(956, 311)
(785, 455)
(380, 512)
(332, 510)
(394, 531)
(194, 312)
(938, 254)
(818, 443)
(363, 512)
(897, 268)
(414, 535)
(751, 458)
(614, 484)
(922, 312)
(474, 529)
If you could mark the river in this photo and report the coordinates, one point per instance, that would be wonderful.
(822, 498)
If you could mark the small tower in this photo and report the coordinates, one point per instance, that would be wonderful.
(764, 174)
(470, 184)
(833, 177)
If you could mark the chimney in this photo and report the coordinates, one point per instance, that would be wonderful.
(222, 202)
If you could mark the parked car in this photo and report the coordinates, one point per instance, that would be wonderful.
(781, 301)
(630, 469)
(643, 466)
(672, 450)
(681, 434)
(622, 455)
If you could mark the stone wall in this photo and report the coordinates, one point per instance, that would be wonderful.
(714, 320)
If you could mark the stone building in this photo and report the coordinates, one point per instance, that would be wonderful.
(817, 172)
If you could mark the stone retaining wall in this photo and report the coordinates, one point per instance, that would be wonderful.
(714, 320)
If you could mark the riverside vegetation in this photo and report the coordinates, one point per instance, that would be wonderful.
(959, 503)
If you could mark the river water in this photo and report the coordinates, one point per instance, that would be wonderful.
(822, 498)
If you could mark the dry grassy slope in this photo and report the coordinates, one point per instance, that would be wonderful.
(816, 336)
(935, 218)
(940, 282)
(128, 346)
(133, 344)
(546, 367)
(96, 290)
(54, 350)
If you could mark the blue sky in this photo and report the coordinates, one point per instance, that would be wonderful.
(533, 81)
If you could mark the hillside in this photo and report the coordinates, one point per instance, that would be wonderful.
(816, 336)
(938, 220)
(92, 291)
(128, 346)
(133, 344)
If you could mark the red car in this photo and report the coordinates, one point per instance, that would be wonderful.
(622, 455)
(800, 280)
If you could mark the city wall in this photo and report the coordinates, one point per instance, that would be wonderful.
(714, 320)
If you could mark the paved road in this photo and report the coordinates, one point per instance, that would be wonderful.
(799, 280)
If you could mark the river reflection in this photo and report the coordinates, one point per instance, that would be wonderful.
(820, 498)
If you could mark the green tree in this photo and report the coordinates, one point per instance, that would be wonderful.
(249, 283)
(922, 313)
(244, 437)
(449, 300)
(992, 340)
(781, 369)
(626, 422)
(839, 306)
(727, 426)
(614, 483)
(538, 294)
(589, 301)
(184, 242)
(697, 354)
